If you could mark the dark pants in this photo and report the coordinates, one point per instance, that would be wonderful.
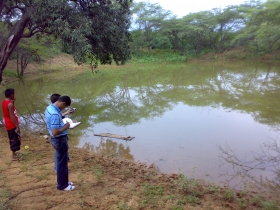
(61, 155)
(14, 140)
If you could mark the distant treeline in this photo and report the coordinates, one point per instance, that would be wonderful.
(252, 26)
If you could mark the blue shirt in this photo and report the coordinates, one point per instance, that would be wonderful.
(54, 119)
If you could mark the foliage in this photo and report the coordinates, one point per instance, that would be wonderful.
(253, 26)
(94, 29)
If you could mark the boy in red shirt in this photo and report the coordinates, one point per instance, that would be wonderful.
(11, 121)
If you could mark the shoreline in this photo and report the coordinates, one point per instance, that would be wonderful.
(104, 182)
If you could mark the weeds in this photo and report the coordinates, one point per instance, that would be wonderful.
(265, 205)
(187, 185)
(43, 176)
(98, 173)
(4, 195)
(269, 205)
(242, 203)
(213, 189)
(229, 195)
(123, 206)
(152, 195)
(193, 200)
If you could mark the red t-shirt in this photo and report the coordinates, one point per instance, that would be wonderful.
(7, 119)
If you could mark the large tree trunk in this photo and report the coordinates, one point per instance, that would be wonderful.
(11, 42)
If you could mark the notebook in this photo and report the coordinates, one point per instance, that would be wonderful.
(72, 124)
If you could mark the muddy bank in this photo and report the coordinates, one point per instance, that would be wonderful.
(104, 182)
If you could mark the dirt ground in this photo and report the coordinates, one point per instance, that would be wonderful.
(104, 182)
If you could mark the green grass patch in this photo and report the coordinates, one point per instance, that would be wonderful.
(9, 73)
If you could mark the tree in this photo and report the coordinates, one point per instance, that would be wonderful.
(97, 29)
(149, 18)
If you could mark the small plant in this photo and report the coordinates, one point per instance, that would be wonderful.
(43, 176)
(187, 185)
(98, 173)
(24, 167)
(182, 201)
(269, 205)
(229, 195)
(123, 206)
(193, 200)
(4, 205)
(176, 208)
(40, 156)
(265, 205)
(152, 194)
(213, 189)
(242, 203)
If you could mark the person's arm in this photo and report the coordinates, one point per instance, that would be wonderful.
(70, 111)
(12, 116)
(65, 113)
(56, 132)
(55, 122)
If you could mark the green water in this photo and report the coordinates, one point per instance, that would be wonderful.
(179, 113)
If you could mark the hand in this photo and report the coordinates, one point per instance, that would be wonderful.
(17, 130)
(67, 125)
(71, 111)
(66, 113)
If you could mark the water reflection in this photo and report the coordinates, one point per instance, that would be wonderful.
(197, 106)
(111, 148)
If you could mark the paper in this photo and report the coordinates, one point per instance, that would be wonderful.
(72, 124)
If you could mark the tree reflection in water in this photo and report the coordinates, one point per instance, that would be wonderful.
(268, 158)
(110, 148)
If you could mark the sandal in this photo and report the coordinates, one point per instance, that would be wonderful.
(69, 188)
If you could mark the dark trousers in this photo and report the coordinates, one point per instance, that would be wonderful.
(14, 140)
(61, 157)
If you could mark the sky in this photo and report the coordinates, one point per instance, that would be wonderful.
(184, 7)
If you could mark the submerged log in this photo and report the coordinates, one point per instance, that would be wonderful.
(116, 136)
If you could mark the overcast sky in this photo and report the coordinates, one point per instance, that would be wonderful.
(184, 7)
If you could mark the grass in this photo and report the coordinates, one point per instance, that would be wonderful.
(152, 195)
(9, 73)
(4, 196)
(157, 56)
(228, 195)
(123, 206)
(265, 205)
(98, 173)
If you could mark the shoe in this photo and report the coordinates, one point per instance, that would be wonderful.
(69, 188)
(71, 183)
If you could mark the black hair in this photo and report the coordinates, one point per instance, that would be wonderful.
(8, 92)
(54, 97)
(65, 99)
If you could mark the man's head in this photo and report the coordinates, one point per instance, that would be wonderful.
(10, 93)
(63, 102)
(54, 97)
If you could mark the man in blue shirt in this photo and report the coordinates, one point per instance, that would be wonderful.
(59, 140)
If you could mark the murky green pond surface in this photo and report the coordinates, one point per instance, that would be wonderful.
(178, 113)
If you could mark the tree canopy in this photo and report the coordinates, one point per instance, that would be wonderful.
(252, 27)
(94, 29)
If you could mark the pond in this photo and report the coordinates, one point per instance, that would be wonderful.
(180, 114)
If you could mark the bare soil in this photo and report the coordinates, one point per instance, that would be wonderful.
(106, 182)
(102, 182)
